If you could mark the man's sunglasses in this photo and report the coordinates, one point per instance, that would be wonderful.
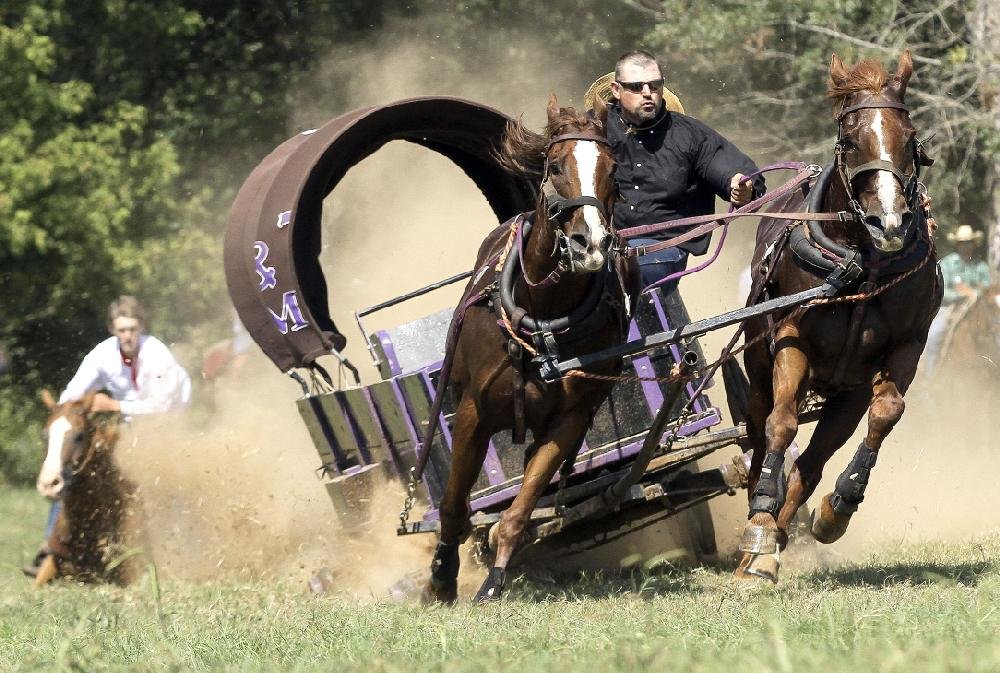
(636, 87)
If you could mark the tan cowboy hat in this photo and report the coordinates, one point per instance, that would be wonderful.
(964, 233)
(602, 87)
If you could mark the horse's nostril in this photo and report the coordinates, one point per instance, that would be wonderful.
(907, 219)
(874, 221)
(579, 241)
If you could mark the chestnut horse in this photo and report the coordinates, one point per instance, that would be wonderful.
(567, 262)
(860, 355)
(87, 541)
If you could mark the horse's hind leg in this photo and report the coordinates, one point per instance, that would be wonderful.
(537, 476)
(470, 440)
(761, 538)
(834, 514)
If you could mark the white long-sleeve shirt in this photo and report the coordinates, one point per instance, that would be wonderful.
(154, 383)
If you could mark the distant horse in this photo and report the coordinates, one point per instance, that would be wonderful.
(88, 539)
(561, 287)
(972, 350)
(860, 355)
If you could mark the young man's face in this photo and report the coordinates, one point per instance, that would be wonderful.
(639, 107)
(128, 331)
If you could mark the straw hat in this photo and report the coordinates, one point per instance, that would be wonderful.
(602, 87)
(964, 233)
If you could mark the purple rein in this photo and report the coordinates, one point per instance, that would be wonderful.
(710, 222)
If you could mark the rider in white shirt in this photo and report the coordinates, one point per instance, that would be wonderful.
(138, 372)
(145, 380)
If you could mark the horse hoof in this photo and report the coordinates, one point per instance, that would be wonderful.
(445, 593)
(492, 589)
(827, 525)
(756, 567)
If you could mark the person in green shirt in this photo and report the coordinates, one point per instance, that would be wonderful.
(965, 277)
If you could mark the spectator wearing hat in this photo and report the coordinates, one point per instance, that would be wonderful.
(965, 277)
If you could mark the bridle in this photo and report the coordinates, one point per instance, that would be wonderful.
(909, 183)
(69, 473)
(559, 208)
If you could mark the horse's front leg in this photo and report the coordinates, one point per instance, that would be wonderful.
(761, 538)
(888, 386)
(551, 453)
(470, 441)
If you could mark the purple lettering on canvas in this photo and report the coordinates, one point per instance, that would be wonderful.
(291, 315)
(284, 219)
(268, 277)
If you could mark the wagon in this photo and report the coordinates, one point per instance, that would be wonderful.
(363, 433)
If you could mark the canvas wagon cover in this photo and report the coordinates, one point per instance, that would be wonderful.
(273, 234)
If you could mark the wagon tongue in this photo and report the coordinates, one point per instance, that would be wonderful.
(552, 370)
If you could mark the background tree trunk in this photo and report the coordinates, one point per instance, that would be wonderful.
(985, 33)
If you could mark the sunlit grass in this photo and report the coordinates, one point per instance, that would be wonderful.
(929, 608)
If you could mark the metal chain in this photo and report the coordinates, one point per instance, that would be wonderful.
(411, 498)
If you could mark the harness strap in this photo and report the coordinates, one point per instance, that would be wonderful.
(516, 354)
(853, 331)
(870, 104)
(804, 174)
(577, 136)
(879, 165)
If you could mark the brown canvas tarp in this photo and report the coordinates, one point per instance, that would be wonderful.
(272, 240)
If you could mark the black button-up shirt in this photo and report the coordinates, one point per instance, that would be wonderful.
(671, 168)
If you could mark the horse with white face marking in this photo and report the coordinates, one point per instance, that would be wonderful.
(555, 281)
(860, 355)
(91, 529)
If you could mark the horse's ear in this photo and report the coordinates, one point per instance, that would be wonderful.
(47, 399)
(601, 111)
(838, 72)
(903, 72)
(552, 109)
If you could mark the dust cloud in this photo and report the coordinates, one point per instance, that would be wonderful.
(230, 491)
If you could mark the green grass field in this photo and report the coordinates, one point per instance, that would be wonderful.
(925, 608)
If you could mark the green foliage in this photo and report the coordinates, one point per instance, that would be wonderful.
(125, 129)
(759, 70)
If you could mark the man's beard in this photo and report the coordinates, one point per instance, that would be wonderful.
(641, 117)
(645, 115)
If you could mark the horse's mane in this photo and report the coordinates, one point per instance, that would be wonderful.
(868, 75)
(522, 151)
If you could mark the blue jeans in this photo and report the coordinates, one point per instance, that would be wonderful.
(51, 523)
(658, 265)
(935, 339)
